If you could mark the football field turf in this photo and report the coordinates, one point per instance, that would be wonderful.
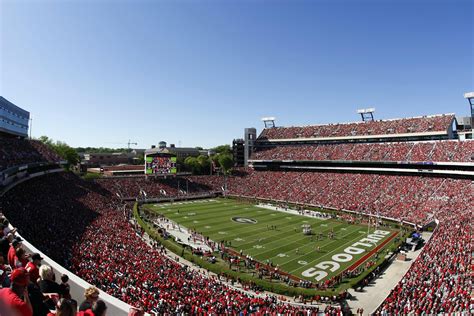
(248, 228)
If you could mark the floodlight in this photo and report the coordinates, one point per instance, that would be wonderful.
(368, 110)
(366, 114)
(268, 121)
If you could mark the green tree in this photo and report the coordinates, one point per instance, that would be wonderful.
(66, 152)
(62, 149)
(225, 162)
(223, 149)
(215, 159)
(46, 140)
(181, 165)
(198, 165)
(204, 163)
(193, 165)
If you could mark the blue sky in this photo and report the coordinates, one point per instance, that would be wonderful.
(196, 73)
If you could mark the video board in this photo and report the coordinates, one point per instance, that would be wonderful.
(160, 164)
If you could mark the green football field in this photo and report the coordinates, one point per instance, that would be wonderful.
(248, 228)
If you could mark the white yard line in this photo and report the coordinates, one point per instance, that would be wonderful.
(307, 213)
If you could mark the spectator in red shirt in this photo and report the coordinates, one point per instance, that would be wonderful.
(33, 267)
(16, 243)
(21, 258)
(16, 297)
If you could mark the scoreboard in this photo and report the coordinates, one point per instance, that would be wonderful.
(160, 164)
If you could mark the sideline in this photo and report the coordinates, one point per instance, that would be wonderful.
(377, 291)
(182, 234)
(306, 213)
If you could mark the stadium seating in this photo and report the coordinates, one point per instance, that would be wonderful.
(414, 199)
(104, 248)
(439, 280)
(436, 151)
(84, 227)
(15, 152)
(133, 187)
(383, 127)
(399, 197)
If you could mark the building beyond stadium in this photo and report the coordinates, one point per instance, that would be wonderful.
(13, 119)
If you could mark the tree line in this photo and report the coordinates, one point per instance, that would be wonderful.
(220, 160)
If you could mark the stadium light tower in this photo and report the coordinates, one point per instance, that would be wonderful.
(268, 121)
(366, 114)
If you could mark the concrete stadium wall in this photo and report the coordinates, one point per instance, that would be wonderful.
(78, 285)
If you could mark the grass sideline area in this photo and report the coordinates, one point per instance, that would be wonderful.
(216, 219)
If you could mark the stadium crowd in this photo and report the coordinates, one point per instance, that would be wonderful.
(28, 287)
(382, 127)
(439, 281)
(14, 152)
(102, 246)
(151, 187)
(409, 198)
(442, 151)
(106, 249)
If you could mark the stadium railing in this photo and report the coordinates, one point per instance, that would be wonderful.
(78, 285)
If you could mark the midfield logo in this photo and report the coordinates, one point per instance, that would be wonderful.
(244, 220)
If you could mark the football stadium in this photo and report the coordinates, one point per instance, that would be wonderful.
(243, 157)
(332, 219)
